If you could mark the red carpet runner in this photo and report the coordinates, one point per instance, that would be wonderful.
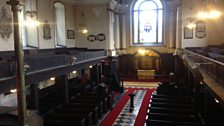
(111, 117)
(140, 120)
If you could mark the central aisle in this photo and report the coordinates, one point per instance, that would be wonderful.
(121, 115)
(127, 116)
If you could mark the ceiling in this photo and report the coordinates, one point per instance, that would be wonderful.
(88, 1)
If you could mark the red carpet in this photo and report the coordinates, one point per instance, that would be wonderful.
(140, 120)
(111, 117)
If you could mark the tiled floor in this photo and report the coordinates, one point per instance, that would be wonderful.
(127, 117)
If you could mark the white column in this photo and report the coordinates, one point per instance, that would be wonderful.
(111, 41)
(123, 33)
(171, 28)
(178, 26)
(117, 33)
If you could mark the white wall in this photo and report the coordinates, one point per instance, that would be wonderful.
(95, 23)
(6, 43)
(214, 28)
(46, 12)
(70, 23)
(187, 12)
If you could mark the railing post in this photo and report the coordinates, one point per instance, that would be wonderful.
(217, 72)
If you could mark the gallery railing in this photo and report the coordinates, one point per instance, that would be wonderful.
(212, 67)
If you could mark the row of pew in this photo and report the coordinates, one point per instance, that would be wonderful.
(215, 52)
(85, 109)
(167, 109)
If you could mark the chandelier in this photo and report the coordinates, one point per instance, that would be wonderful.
(82, 26)
(191, 23)
(31, 16)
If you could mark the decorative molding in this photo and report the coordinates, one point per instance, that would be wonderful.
(5, 23)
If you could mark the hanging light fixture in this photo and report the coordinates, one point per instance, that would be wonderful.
(30, 16)
(82, 26)
(191, 21)
(209, 11)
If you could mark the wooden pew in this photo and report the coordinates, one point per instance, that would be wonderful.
(5, 67)
(95, 98)
(202, 52)
(90, 106)
(80, 110)
(52, 118)
(171, 96)
(174, 117)
(167, 100)
(170, 105)
(217, 50)
(46, 62)
(152, 122)
(98, 103)
(171, 110)
(106, 98)
(64, 123)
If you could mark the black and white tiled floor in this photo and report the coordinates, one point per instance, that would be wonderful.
(127, 117)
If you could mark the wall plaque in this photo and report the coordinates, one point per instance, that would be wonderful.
(91, 38)
(101, 37)
(5, 23)
(46, 30)
(200, 29)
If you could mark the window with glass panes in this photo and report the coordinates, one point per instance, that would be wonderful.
(147, 22)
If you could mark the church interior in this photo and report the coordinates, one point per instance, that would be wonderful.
(111, 62)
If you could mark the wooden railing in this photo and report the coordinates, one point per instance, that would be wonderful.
(42, 66)
(212, 67)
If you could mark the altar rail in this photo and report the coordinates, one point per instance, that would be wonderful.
(211, 66)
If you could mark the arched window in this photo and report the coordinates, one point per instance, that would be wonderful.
(60, 34)
(147, 22)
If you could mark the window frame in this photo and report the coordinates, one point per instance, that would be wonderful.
(57, 43)
(132, 26)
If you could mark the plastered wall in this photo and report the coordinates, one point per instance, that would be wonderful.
(97, 21)
(214, 28)
(45, 11)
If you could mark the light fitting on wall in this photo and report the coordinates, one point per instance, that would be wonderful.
(209, 10)
(82, 26)
(30, 16)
